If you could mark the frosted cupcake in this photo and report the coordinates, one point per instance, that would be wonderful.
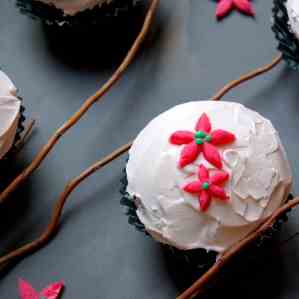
(11, 117)
(286, 29)
(75, 12)
(203, 175)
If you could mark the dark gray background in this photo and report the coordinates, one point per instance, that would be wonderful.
(188, 56)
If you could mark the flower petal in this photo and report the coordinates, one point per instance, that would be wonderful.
(244, 6)
(218, 192)
(194, 187)
(26, 291)
(189, 154)
(53, 291)
(204, 200)
(222, 137)
(181, 137)
(212, 155)
(223, 8)
(219, 177)
(203, 173)
(203, 124)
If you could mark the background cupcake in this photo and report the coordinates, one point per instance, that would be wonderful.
(202, 176)
(286, 29)
(76, 13)
(11, 117)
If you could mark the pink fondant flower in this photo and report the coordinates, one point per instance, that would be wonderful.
(53, 291)
(202, 140)
(224, 7)
(207, 187)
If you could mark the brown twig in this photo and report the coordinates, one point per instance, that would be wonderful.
(54, 223)
(85, 107)
(199, 286)
(52, 227)
(247, 77)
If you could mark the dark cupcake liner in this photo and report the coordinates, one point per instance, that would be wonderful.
(194, 263)
(288, 44)
(50, 15)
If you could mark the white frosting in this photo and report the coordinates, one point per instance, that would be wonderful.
(9, 113)
(293, 12)
(260, 177)
(71, 7)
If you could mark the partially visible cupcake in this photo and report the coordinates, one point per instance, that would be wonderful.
(75, 13)
(11, 116)
(203, 175)
(286, 29)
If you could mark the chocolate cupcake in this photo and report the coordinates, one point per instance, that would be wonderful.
(76, 13)
(202, 176)
(286, 29)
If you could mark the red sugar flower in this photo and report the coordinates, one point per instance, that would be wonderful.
(53, 291)
(202, 140)
(207, 187)
(224, 7)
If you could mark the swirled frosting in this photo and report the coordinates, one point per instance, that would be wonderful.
(293, 12)
(9, 113)
(72, 7)
(260, 177)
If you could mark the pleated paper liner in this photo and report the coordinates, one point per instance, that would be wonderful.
(186, 267)
(99, 15)
(288, 44)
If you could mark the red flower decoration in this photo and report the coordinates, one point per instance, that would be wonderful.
(224, 7)
(207, 187)
(53, 291)
(203, 140)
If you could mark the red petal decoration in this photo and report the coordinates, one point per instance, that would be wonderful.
(203, 173)
(53, 291)
(203, 124)
(194, 187)
(219, 177)
(244, 6)
(204, 200)
(181, 137)
(26, 291)
(221, 137)
(212, 155)
(218, 192)
(223, 8)
(189, 154)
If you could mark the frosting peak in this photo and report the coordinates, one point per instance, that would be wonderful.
(256, 164)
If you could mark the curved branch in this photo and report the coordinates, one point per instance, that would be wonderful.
(85, 107)
(218, 96)
(54, 223)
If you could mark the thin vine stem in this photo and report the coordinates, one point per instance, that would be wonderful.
(200, 284)
(39, 158)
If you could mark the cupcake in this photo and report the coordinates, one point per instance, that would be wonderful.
(75, 12)
(11, 116)
(203, 175)
(286, 29)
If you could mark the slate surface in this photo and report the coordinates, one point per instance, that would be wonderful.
(188, 56)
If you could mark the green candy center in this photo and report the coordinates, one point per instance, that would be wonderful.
(201, 137)
(199, 141)
(205, 186)
(200, 134)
